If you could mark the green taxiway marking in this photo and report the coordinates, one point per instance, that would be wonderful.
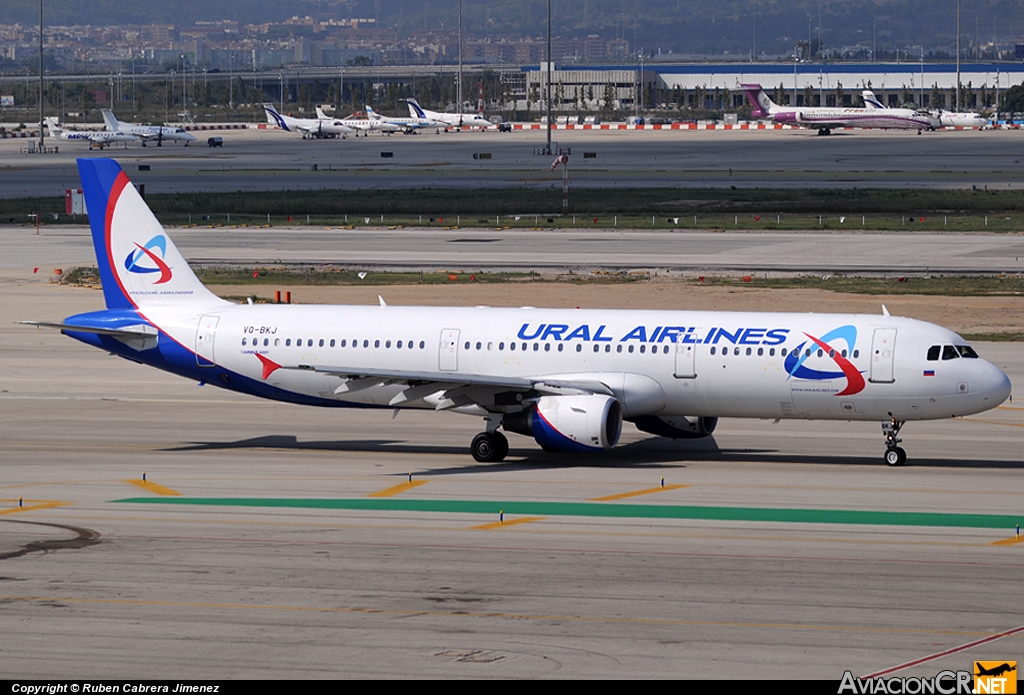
(584, 509)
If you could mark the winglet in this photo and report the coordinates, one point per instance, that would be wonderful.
(269, 366)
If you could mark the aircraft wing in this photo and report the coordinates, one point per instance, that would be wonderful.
(458, 388)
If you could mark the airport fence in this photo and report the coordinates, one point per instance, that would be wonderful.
(680, 221)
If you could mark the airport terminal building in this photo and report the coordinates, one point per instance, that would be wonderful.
(714, 85)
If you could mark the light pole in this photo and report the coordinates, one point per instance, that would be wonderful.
(42, 131)
(547, 89)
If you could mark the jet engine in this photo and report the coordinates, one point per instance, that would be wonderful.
(570, 423)
(676, 427)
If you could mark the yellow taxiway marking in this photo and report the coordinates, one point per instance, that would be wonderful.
(1009, 541)
(1009, 407)
(154, 488)
(507, 522)
(33, 506)
(398, 489)
(637, 493)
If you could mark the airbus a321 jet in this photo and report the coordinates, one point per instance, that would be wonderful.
(825, 118)
(566, 377)
(147, 133)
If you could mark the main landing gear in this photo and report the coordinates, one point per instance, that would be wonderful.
(489, 447)
(824, 131)
(894, 454)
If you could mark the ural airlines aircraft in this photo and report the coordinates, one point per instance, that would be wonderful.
(454, 120)
(825, 118)
(566, 377)
(940, 118)
(95, 138)
(147, 133)
(309, 127)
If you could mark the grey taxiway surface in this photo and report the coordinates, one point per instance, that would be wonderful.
(275, 160)
(232, 586)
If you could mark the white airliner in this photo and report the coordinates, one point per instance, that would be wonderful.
(360, 125)
(825, 118)
(450, 120)
(406, 125)
(940, 118)
(147, 133)
(309, 127)
(566, 377)
(95, 138)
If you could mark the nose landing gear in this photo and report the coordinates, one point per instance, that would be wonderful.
(894, 454)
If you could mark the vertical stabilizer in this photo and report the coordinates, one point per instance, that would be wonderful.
(763, 106)
(274, 118)
(111, 120)
(414, 109)
(870, 101)
(138, 263)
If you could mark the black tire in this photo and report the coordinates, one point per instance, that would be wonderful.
(485, 447)
(895, 456)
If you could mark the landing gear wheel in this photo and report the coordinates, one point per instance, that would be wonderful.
(489, 446)
(895, 456)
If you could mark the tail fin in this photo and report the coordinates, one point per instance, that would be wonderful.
(414, 109)
(274, 118)
(138, 263)
(870, 101)
(763, 106)
(371, 114)
(321, 115)
(52, 128)
(110, 119)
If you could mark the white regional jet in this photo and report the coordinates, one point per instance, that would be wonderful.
(825, 118)
(941, 119)
(309, 127)
(409, 126)
(147, 133)
(360, 125)
(566, 377)
(447, 120)
(95, 138)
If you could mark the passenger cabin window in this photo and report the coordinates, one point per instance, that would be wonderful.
(933, 353)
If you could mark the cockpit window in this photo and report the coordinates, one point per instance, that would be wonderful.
(967, 351)
(949, 352)
(933, 353)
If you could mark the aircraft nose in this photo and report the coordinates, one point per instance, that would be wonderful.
(995, 387)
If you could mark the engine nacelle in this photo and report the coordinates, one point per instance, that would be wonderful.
(676, 427)
(570, 423)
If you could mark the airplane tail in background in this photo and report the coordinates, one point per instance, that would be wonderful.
(870, 101)
(138, 263)
(321, 115)
(371, 114)
(52, 127)
(274, 118)
(763, 106)
(414, 109)
(110, 119)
